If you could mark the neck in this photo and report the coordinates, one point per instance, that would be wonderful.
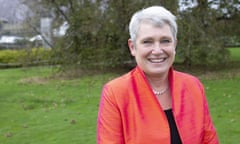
(158, 83)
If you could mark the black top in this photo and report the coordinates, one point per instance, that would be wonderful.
(175, 138)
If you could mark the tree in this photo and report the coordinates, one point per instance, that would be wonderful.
(98, 31)
(199, 37)
(228, 18)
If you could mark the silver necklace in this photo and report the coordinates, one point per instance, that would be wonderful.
(160, 92)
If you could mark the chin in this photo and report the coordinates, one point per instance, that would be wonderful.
(157, 72)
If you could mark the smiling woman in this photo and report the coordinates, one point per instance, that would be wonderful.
(154, 48)
(154, 103)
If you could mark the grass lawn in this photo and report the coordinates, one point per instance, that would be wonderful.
(38, 109)
(223, 98)
(235, 53)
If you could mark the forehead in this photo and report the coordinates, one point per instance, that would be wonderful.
(149, 30)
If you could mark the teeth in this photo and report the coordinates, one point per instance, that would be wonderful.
(157, 60)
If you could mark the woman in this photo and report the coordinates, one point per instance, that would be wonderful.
(153, 103)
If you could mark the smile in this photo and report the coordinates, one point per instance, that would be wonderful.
(159, 60)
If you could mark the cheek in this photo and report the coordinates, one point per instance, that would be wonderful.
(141, 51)
(171, 50)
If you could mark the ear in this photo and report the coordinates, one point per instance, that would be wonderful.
(131, 47)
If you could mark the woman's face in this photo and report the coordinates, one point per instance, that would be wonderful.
(154, 49)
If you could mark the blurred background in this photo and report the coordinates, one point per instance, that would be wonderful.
(94, 33)
(55, 56)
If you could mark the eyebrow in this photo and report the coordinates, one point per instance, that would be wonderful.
(166, 37)
(151, 38)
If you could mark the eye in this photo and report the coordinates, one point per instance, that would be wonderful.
(165, 41)
(147, 41)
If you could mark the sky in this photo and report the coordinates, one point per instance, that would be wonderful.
(12, 11)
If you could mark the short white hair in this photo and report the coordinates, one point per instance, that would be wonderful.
(157, 15)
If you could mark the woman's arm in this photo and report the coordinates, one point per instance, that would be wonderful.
(210, 134)
(109, 125)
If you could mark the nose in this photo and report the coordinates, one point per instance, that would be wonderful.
(157, 49)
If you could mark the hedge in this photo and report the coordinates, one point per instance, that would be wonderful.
(24, 56)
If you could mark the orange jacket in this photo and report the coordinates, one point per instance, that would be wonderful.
(129, 113)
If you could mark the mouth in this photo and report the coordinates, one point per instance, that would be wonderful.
(157, 60)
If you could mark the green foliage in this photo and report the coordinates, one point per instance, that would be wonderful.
(25, 56)
(98, 31)
(36, 55)
(10, 56)
(199, 42)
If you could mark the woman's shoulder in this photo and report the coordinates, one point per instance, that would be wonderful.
(184, 77)
(121, 81)
(189, 83)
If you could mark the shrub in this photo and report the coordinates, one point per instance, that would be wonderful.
(10, 56)
(25, 56)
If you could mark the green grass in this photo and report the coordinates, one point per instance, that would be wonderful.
(38, 109)
(223, 98)
(235, 53)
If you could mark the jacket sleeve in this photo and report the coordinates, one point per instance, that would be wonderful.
(109, 125)
(210, 134)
